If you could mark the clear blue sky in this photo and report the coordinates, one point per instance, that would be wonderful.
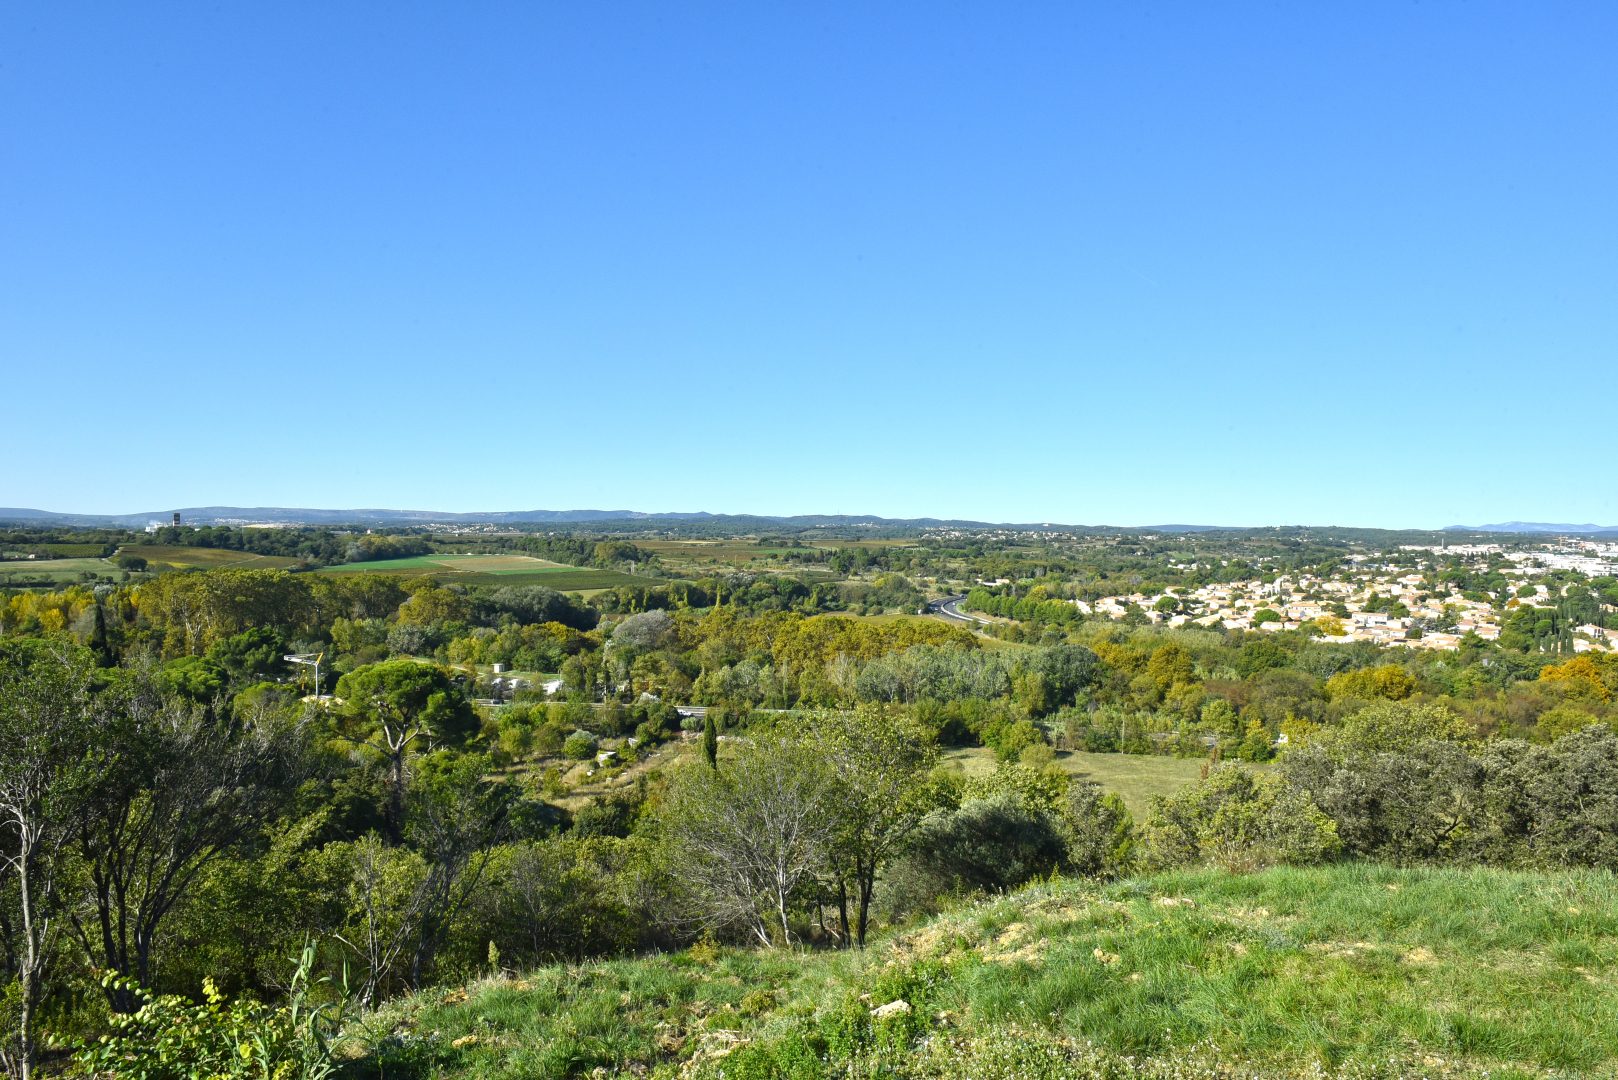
(1124, 263)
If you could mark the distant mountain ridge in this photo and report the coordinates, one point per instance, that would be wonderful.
(281, 515)
(278, 515)
(1532, 527)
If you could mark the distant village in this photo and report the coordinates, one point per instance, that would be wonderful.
(1337, 605)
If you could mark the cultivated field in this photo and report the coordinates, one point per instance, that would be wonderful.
(495, 570)
(475, 564)
(53, 570)
(717, 554)
(73, 551)
(160, 557)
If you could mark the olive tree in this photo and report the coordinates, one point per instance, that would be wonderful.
(743, 834)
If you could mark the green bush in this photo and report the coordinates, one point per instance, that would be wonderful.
(1101, 837)
(1238, 820)
(989, 843)
(170, 1038)
(580, 745)
(1512, 804)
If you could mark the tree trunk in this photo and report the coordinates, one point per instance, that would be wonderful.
(25, 1036)
(867, 885)
(30, 975)
(842, 908)
(395, 816)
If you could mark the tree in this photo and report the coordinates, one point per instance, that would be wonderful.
(1390, 682)
(710, 740)
(878, 763)
(191, 784)
(1392, 726)
(403, 899)
(395, 711)
(49, 760)
(195, 610)
(458, 815)
(386, 895)
(744, 834)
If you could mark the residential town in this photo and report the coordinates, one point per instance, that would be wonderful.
(1413, 611)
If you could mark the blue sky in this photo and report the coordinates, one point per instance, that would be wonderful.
(1126, 264)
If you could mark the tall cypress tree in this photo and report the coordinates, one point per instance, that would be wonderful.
(710, 740)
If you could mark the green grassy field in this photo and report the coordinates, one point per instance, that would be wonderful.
(1134, 776)
(51, 572)
(1354, 971)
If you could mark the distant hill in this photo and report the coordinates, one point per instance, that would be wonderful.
(281, 515)
(277, 515)
(1532, 527)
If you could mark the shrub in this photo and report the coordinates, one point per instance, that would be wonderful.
(580, 745)
(1010, 741)
(992, 843)
(169, 1038)
(1420, 803)
(1101, 838)
(1238, 820)
(1515, 804)
(1552, 806)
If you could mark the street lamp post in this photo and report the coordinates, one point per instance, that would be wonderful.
(313, 660)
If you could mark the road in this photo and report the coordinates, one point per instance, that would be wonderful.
(949, 607)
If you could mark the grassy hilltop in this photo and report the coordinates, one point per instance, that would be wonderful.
(1354, 970)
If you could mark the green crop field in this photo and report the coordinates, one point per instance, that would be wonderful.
(55, 571)
(75, 551)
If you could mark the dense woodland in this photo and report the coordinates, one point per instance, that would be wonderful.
(180, 812)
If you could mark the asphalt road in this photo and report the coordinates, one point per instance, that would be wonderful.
(949, 607)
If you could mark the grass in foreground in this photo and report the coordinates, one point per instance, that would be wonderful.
(1354, 970)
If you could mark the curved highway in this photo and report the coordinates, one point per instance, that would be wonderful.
(949, 607)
